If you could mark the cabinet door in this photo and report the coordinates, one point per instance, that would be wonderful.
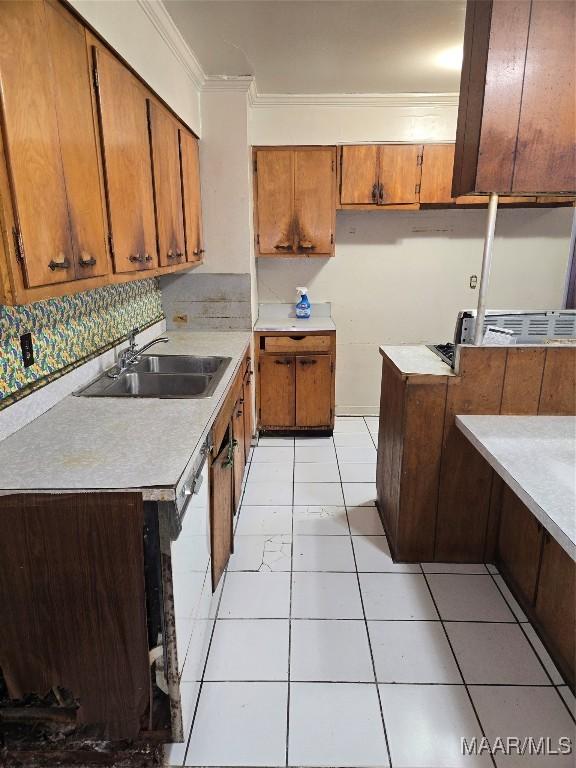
(437, 167)
(399, 173)
(78, 141)
(277, 390)
(239, 455)
(519, 545)
(556, 603)
(190, 159)
(359, 175)
(275, 201)
(128, 170)
(248, 409)
(314, 200)
(221, 505)
(167, 184)
(32, 144)
(313, 390)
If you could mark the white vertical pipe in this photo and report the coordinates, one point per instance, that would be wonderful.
(571, 260)
(486, 265)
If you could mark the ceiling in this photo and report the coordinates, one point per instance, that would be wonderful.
(322, 46)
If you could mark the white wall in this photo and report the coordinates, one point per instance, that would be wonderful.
(401, 278)
(143, 33)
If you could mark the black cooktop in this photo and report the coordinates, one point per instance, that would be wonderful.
(446, 351)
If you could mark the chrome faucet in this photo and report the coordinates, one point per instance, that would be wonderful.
(131, 354)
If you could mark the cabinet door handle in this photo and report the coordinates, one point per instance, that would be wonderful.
(62, 263)
(136, 257)
(86, 260)
(148, 257)
(306, 245)
(381, 193)
(375, 193)
(198, 252)
(283, 247)
(307, 361)
(283, 362)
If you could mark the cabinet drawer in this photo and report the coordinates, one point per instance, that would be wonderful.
(297, 343)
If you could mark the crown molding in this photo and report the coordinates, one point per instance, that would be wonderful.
(156, 12)
(335, 100)
(225, 83)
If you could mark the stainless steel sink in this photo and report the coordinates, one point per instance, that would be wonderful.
(162, 376)
(179, 364)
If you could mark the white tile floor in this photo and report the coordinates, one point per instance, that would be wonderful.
(326, 653)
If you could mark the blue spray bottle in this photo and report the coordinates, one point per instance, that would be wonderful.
(303, 309)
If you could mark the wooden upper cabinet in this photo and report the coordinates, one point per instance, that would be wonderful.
(165, 145)
(437, 167)
(314, 200)
(379, 174)
(517, 107)
(49, 143)
(275, 201)
(359, 174)
(295, 200)
(127, 166)
(77, 124)
(190, 160)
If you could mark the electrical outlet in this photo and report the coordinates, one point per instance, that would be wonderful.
(27, 349)
(473, 281)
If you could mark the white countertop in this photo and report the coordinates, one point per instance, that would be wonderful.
(282, 317)
(121, 443)
(536, 457)
(416, 359)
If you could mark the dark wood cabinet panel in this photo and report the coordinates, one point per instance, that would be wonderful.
(277, 388)
(190, 158)
(556, 604)
(221, 509)
(314, 200)
(78, 600)
(165, 147)
(519, 546)
(314, 391)
(359, 174)
(127, 163)
(32, 144)
(517, 107)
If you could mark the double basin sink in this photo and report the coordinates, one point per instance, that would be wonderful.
(162, 376)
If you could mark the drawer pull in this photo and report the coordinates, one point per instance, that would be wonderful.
(296, 338)
(283, 362)
(63, 263)
(86, 260)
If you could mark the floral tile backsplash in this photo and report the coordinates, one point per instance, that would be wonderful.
(67, 331)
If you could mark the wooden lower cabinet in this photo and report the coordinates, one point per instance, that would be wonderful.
(313, 390)
(555, 606)
(519, 546)
(296, 388)
(221, 508)
(239, 455)
(248, 407)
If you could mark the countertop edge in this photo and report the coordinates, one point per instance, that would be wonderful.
(541, 515)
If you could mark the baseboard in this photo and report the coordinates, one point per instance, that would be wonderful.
(357, 410)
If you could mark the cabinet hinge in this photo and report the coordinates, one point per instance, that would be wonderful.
(18, 243)
(111, 244)
(254, 165)
(417, 189)
(420, 160)
(258, 366)
(332, 164)
(332, 367)
(258, 239)
(331, 238)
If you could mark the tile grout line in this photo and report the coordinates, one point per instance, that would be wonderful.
(524, 633)
(365, 621)
(465, 684)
